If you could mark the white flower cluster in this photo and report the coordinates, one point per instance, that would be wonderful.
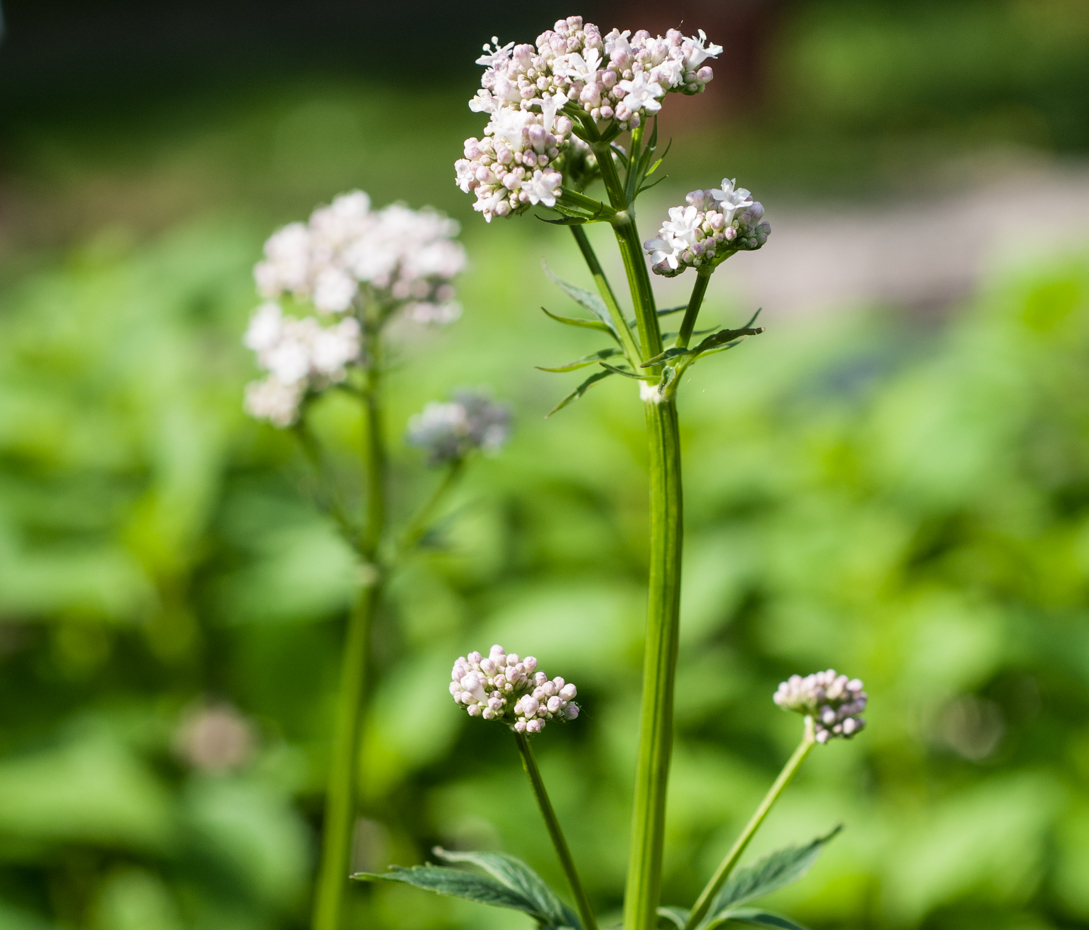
(345, 257)
(402, 257)
(834, 702)
(504, 687)
(299, 355)
(619, 76)
(714, 224)
(472, 420)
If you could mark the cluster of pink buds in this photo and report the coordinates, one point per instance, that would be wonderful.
(505, 687)
(833, 701)
(714, 224)
(617, 78)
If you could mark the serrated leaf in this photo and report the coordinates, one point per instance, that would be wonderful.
(580, 390)
(585, 360)
(678, 916)
(771, 873)
(519, 878)
(754, 917)
(456, 883)
(586, 324)
(584, 298)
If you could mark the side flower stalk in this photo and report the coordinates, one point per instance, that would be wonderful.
(351, 270)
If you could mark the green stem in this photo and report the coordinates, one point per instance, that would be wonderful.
(423, 518)
(688, 324)
(635, 264)
(555, 833)
(606, 291)
(327, 497)
(707, 896)
(659, 670)
(341, 800)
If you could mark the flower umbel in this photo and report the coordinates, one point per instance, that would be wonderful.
(450, 431)
(833, 701)
(508, 688)
(529, 144)
(348, 260)
(715, 224)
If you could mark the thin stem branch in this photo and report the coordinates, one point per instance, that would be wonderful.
(627, 340)
(707, 896)
(421, 521)
(341, 799)
(555, 833)
(327, 497)
(688, 324)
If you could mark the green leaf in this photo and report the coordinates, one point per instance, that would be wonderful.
(583, 298)
(586, 324)
(456, 883)
(755, 917)
(568, 220)
(520, 878)
(626, 372)
(585, 360)
(678, 916)
(580, 390)
(771, 873)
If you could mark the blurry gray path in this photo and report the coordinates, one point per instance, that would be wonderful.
(922, 254)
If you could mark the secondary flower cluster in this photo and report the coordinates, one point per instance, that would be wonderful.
(447, 432)
(397, 256)
(834, 702)
(349, 260)
(714, 224)
(299, 355)
(505, 687)
(620, 76)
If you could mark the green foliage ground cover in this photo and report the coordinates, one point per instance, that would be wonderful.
(915, 504)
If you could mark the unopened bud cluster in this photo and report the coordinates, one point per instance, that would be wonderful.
(450, 431)
(508, 688)
(528, 141)
(833, 701)
(714, 224)
(299, 355)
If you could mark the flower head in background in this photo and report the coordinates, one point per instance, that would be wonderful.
(833, 701)
(713, 225)
(451, 431)
(347, 253)
(215, 738)
(350, 263)
(505, 687)
(529, 142)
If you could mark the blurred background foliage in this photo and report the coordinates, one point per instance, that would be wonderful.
(903, 496)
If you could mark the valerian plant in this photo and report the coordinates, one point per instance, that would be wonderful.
(575, 109)
(352, 270)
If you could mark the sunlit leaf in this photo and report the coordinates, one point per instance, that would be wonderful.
(754, 917)
(585, 324)
(580, 390)
(585, 360)
(584, 298)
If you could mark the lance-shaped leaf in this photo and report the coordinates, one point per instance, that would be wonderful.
(585, 360)
(456, 883)
(521, 879)
(771, 873)
(584, 298)
(723, 339)
(580, 390)
(626, 372)
(585, 324)
(754, 917)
